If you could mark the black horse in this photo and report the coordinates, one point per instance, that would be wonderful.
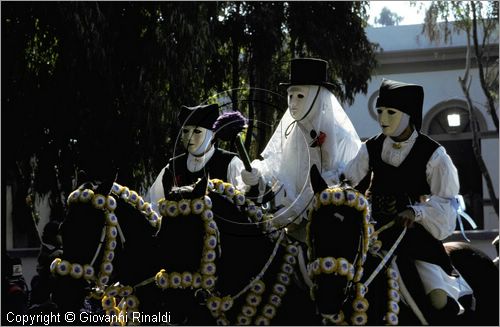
(355, 284)
(105, 223)
(244, 275)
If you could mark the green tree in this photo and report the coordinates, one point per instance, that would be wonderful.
(388, 18)
(97, 85)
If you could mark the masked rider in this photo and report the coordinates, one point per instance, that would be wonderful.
(202, 157)
(414, 181)
(313, 130)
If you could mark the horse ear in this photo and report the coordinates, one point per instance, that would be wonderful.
(200, 188)
(167, 181)
(317, 182)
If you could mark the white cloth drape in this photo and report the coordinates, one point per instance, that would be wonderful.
(288, 156)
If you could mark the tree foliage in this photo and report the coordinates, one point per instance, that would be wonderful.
(96, 85)
(388, 18)
(479, 21)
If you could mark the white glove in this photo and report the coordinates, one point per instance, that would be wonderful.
(250, 178)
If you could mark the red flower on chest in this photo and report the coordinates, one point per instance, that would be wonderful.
(318, 140)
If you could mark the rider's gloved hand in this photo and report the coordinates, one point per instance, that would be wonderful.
(250, 177)
(406, 218)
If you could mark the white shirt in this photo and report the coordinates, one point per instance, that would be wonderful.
(437, 214)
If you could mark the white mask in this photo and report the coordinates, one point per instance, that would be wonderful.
(197, 140)
(392, 121)
(300, 99)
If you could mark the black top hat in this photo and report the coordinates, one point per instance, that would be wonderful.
(308, 71)
(408, 98)
(202, 115)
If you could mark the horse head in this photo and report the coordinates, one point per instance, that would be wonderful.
(106, 226)
(214, 244)
(83, 232)
(338, 236)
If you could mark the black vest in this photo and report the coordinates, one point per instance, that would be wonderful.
(394, 188)
(216, 167)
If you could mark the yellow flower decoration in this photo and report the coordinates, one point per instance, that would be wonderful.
(171, 209)
(393, 306)
(259, 287)
(394, 295)
(63, 268)
(54, 264)
(226, 303)
(108, 302)
(253, 299)
(262, 321)
(269, 311)
(328, 265)
(106, 268)
(342, 266)
(161, 279)
(111, 219)
(88, 272)
(184, 207)
(175, 279)
(391, 319)
(197, 279)
(213, 303)
(133, 197)
(197, 206)
(111, 245)
(325, 197)
(111, 232)
(132, 302)
(126, 291)
(76, 270)
(103, 280)
(243, 320)
(187, 279)
(392, 283)
(74, 196)
(208, 282)
(208, 202)
(359, 319)
(86, 195)
(112, 291)
(360, 304)
(99, 201)
(248, 310)
(110, 203)
(279, 289)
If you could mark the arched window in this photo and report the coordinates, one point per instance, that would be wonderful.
(451, 118)
(449, 123)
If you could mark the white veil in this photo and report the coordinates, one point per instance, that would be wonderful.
(288, 156)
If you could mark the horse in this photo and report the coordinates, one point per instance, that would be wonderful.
(355, 284)
(105, 222)
(215, 245)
